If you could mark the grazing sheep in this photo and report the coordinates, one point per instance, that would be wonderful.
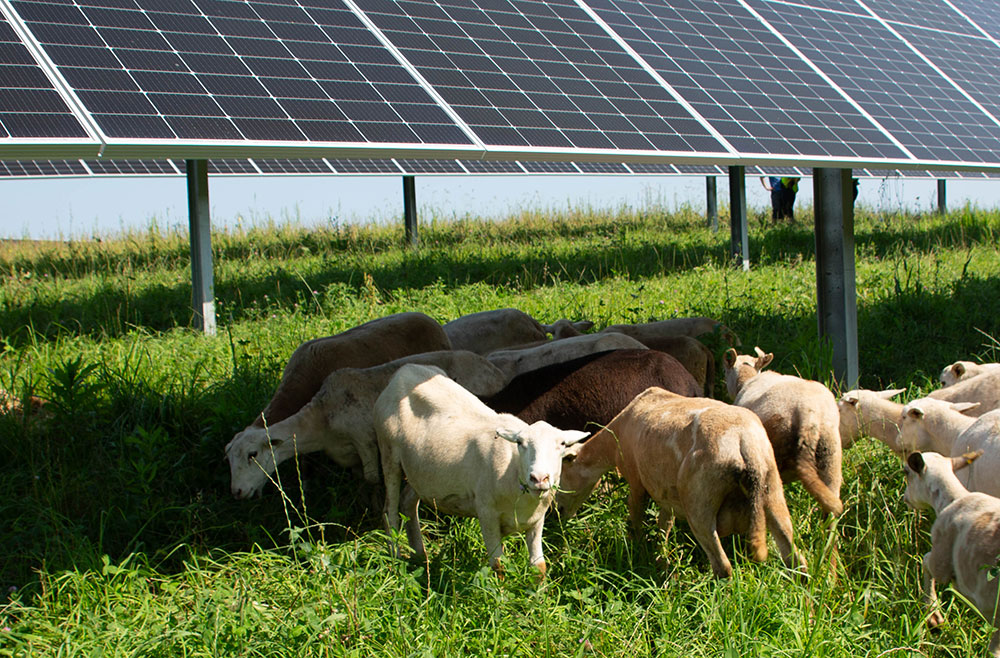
(338, 420)
(801, 419)
(464, 458)
(942, 427)
(929, 424)
(962, 370)
(701, 459)
(590, 390)
(983, 388)
(516, 362)
(369, 344)
(488, 331)
(692, 327)
(965, 537)
(870, 413)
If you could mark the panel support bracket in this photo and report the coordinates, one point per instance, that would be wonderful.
(942, 196)
(836, 292)
(711, 204)
(202, 279)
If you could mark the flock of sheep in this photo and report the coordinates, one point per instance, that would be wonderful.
(486, 416)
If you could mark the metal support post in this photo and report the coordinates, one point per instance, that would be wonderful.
(836, 294)
(410, 210)
(712, 204)
(942, 194)
(740, 236)
(202, 279)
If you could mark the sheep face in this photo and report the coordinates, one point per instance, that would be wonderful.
(914, 433)
(578, 482)
(540, 448)
(956, 372)
(251, 461)
(918, 491)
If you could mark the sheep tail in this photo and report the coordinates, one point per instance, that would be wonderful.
(817, 488)
(754, 488)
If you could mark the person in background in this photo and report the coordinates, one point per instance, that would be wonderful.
(783, 191)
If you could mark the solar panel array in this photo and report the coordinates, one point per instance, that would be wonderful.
(560, 86)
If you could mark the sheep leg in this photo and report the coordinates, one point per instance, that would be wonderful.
(533, 538)
(637, 497)
(368, 451)
(410, 503)
(393, 473)
(489, 523)
(779, 524)
(936, 618)
(702, 517)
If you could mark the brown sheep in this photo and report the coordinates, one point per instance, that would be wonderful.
(369, 344)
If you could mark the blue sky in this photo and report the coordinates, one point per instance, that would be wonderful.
(88, 207)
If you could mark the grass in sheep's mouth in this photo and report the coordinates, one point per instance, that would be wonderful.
(119, 533)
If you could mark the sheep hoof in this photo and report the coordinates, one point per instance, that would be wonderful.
(934, 621)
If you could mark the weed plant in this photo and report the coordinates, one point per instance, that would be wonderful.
(120, 536)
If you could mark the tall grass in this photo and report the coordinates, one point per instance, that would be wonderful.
(119, 535)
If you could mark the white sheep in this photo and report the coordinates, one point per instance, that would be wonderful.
(463, 458)
(703, 460)
(942, 427)
(801, 419)
(517, 361)
(338, 420)
(929, 424)
(962, 370)
(488, 331)
(870, 413)
(984, 388)
(964, 538)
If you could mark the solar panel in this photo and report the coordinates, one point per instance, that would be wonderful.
(364, 166)
(30, 106)
(294, 166)
(602, 168)
(971, 61)
(538, 74)
(932, 119)
(651, 168)
(984, 13)
(533, 167)
(737, 74)
(934, 14)
(430, 166)
(131, 167)
(227, 167)
(41, 168)
(491, 167)
(708, 170)
(247, 71)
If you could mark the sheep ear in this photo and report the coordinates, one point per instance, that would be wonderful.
(849, 398)
(508, 434)
(915, 412)
(958, 369)
(274, 442)
(916, 462)
(960, 462)
(963, 407)
(571, 437)
(763, 359)
(570, 453)
(730, 357)
(890, 393)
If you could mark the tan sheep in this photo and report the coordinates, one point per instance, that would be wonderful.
(961, 370)
(870, 413)
(488, 331)
(984, 388)
(699, 459)
(802, 422)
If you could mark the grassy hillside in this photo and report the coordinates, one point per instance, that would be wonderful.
(119, 535)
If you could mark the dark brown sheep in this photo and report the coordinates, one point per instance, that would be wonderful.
(592, 389)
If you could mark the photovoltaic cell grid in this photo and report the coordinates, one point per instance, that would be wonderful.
(968, 60)
(30, 106)
(737, 74)
(41, 168)
(222, 70)
(984, 13)
(933, 14)
(912, 101)
(532, 73)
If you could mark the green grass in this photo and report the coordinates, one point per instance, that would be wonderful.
(119, 535)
